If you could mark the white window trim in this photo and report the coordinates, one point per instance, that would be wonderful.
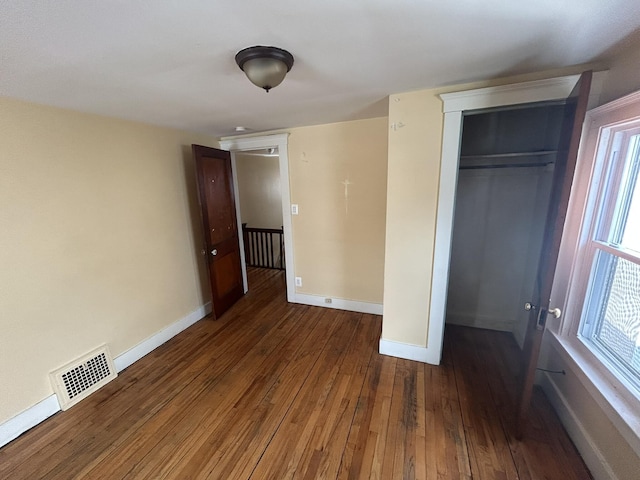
(617, 399)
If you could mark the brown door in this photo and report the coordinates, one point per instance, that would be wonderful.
(217, 200)
(575, 111)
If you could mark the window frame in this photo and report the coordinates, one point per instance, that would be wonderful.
(598, 223)
(617, 396)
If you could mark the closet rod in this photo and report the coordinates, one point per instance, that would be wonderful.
(512, 154)
(504, 165)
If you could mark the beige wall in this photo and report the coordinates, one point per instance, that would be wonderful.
(259, 190)
(99, 234)
(624, 72)
(339, 238)
(412, 194)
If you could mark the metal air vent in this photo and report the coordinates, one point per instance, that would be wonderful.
(80, 378)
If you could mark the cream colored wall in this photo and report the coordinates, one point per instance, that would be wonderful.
(259, 190)
(624, 72)
(99, 235)
(339, 238)
(412, 195)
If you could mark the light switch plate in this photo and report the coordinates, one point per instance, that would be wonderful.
(294, 209)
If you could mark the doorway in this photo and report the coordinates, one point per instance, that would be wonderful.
(279, 142)
(455, 104)
(260, 203)
(506, 165)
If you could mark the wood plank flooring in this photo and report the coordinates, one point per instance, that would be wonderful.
(278, 391)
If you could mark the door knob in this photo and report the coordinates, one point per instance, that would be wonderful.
(556, 312)
(529, 306)
(214, 252)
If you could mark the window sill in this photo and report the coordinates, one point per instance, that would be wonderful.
(620, 405)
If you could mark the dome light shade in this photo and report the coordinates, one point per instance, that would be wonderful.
(265, 67)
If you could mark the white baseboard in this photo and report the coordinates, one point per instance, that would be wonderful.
(593, 457)
(408, 352)
(338, 303)
(134, 354)
(16, 426)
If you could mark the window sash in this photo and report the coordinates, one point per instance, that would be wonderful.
(629, 255)
(619, 167)
(598, 331)
(618, 174)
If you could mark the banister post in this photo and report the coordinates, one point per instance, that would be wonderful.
(245, 240)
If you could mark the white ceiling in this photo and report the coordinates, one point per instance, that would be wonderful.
(171, 62)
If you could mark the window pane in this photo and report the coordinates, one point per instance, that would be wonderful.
(631, 235)
(612, 318)
(626, 231)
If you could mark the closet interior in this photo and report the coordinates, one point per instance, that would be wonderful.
(504, 181)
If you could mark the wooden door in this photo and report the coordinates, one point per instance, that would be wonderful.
(575, 110)
(217, 201)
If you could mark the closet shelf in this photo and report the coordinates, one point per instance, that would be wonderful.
(511, 155)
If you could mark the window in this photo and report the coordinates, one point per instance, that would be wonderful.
(609, 323)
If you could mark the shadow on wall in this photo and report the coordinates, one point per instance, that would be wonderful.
(195, 221)
(624, 75)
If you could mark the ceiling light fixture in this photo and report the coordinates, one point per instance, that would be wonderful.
(265, 67)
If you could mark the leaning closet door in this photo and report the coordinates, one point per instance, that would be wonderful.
(506, 167)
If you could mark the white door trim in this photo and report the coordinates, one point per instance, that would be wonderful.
(454, 105)
(279, 141)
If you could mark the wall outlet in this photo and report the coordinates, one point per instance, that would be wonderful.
(294, 209)
(328, 300)
(298, 281)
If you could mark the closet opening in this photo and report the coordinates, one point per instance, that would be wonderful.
(507, 158)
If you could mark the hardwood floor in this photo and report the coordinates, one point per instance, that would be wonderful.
(274, 391)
